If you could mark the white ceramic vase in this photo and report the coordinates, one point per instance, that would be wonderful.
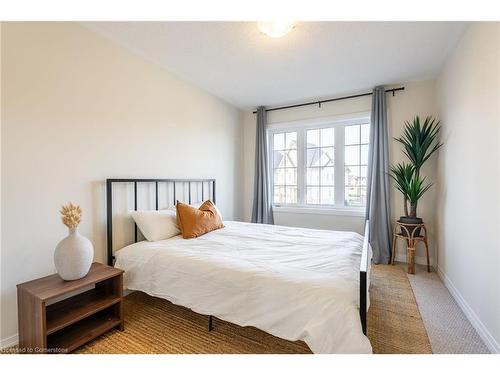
(73, 256)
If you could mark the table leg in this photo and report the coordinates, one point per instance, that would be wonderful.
(427, 251)
(393, 254)
(410, 254)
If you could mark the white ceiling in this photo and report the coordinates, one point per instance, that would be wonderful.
(237, 63)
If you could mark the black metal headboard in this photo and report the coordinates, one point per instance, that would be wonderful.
(156, 181)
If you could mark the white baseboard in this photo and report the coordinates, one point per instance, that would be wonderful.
(481, 329)
(9, 341)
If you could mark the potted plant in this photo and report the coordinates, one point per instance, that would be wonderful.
(419, 143)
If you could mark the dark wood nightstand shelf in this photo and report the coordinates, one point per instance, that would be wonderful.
(52, 318)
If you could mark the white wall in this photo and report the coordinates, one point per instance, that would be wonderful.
(469, 171)
(77, 109)
(1, 26)
(418, 98)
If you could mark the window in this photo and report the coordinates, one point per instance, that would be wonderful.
(320, 167)
(322, 164)
(356, 164)
(285, 167)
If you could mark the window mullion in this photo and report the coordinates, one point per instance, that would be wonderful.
(339, 165)
(301, 169)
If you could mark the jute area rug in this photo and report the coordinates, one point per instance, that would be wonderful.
(154, 325)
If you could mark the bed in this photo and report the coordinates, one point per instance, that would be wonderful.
(294, 283)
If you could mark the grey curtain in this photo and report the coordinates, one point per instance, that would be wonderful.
(262, 211)
(378, 209)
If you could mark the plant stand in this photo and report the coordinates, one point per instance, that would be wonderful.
(408, 232)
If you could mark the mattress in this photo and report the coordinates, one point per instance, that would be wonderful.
(294, 283)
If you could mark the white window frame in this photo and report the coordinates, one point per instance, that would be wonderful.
(301, 127)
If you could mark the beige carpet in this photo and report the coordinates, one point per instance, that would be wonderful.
(153, 325)
(449, 330)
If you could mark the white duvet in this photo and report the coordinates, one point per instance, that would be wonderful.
(295, 283)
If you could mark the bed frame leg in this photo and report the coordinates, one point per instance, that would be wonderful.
(210, 323)
(363, 278)
(362, 301)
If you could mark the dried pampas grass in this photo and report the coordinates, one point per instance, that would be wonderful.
(71, 215)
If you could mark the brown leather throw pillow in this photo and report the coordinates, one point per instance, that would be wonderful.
(195, 222)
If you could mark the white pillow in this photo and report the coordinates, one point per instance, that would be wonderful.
(197, 205)
(156, 225)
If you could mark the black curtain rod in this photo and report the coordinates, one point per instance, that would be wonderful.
(319, 102)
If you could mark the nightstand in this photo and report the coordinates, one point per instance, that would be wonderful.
(57, 316)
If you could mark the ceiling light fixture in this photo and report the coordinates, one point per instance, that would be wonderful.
(276, 28)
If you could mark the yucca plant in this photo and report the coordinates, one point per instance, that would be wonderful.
(402, 175)
(416, 189)
(419, 142)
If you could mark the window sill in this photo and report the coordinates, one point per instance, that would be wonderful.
(356, 212)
